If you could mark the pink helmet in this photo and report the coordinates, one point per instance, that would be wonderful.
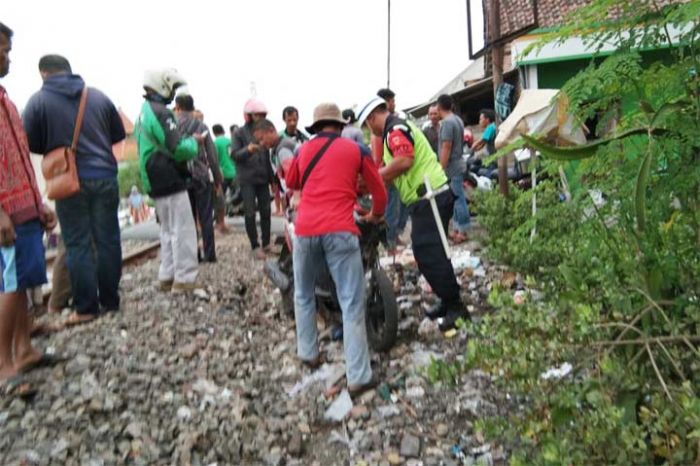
(468, 137)
(254, 106)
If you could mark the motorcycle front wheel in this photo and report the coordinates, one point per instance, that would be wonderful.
(382, 312)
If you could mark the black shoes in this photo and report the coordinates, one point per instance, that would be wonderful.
(454, 313)
(436, 311)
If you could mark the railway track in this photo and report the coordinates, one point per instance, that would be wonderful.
(134, 256)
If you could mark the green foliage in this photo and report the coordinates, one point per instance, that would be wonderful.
(128, 176)
(618, 281)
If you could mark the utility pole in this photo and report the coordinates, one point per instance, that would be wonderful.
(388, 44)
(494, 21)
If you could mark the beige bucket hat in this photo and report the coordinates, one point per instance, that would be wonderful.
(326, 112)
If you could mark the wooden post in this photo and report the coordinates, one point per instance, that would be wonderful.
(494, 21)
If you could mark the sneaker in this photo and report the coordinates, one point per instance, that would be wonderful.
(179, 287)
(165, 285)
(448, 322)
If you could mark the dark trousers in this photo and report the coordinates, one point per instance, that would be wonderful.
(90, 229)
(261, 193)
(201, 198)
(428, 249)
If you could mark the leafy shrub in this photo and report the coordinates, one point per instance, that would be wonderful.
(619, 280)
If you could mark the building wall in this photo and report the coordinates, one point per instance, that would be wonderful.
(517, 15)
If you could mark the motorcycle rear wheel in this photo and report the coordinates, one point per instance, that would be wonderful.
(382, 313)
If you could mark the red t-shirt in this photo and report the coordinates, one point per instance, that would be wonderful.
(19, 195)
(329, 195)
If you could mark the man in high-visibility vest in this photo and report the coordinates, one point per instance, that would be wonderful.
(408, 158)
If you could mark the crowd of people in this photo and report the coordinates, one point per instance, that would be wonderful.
(187, 172)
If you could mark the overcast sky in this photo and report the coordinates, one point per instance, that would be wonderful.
(297, 52)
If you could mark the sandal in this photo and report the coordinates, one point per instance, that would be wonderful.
(78, 319)
(17, 386)
(46, 360)
(357, 390)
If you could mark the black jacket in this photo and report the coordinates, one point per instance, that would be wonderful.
(252, 169)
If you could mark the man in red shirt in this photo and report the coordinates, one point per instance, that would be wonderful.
(326, 172)
(22, 220)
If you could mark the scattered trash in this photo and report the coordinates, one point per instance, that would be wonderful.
(424, 285)
(428, 328)
(451, 333)
(558, 372)
(387, 411)
(337, 437)
(415, 392)
(404, 258)
(340, 407)
(423, 358)
(320, 375)
(205, 387)
(384, 392)
(406, 305)
(464, 260)
(184, 413)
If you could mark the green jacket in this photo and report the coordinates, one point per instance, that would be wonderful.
(163, 153)
(411, 184)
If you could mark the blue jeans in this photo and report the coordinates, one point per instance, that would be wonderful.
(460, 218)
(341, 252)
(396, 216)
(90, 230)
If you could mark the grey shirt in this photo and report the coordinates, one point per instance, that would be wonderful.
(452, 129)
(354, 133)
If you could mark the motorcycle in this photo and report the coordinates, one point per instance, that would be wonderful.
(233, 201)
(381, 309)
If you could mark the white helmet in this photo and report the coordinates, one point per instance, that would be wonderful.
(368, 108)
(163, 81)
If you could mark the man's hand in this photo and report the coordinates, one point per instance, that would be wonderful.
(48, 218)
(372, 218)
(7, 230)
(296, 200)
(218, 190)
(362, 185)
(252, 147)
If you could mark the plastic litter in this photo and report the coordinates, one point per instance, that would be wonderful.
(340, 407)
(384, 392)
(464, 260)
(388, 411)
(320, 375)
(558, 372)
